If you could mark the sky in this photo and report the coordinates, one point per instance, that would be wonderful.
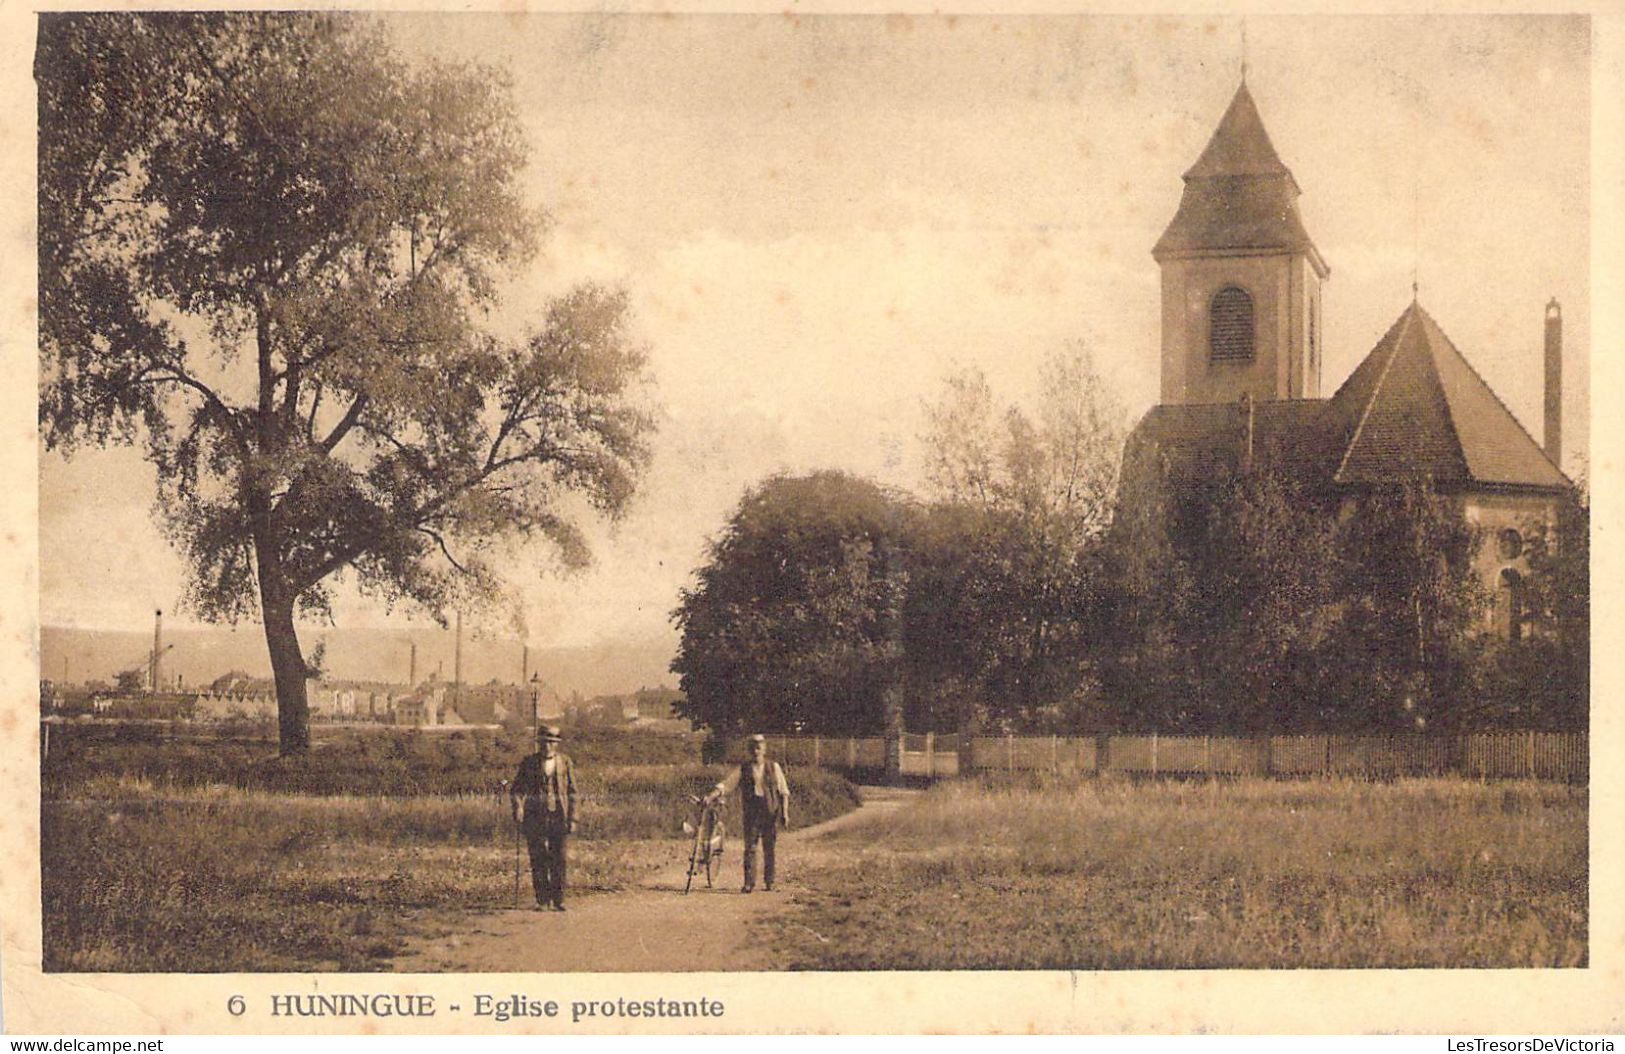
(818, 218)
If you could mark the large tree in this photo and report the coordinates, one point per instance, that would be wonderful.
(269, 251)
(794, 622)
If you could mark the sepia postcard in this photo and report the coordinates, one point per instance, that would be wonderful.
(811, 518)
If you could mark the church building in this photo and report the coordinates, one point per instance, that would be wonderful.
(1242, 358)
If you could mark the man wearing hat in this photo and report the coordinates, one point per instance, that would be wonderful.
(546, 782)
(765, 795)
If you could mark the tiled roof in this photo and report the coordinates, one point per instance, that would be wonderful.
(1417, 406)
(1238, 195)
(1413, 407)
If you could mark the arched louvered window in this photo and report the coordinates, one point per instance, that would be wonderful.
(1230, 325)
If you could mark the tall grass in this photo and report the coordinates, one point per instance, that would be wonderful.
(1106, 875)
(342, 761)
(148, 876)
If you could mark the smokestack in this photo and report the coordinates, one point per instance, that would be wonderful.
(157, 644)
(412, 670)
(524, 663)
(1554, 381)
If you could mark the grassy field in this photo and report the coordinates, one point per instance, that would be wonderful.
(148, 867)
(383, 760)
(1118, 875)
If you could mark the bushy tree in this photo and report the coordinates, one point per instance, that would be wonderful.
(1221, 597)
(268, 252)
(1149, 666)
(1021, 501)
(1266, 604)
(1254, 603)
(794, 623)
(1405, 652)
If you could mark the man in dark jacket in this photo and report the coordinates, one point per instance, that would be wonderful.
(765, 795)
(546, 783)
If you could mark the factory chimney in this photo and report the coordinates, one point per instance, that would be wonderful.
(1554, 382)
(157, 648)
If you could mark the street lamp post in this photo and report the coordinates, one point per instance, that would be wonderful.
(535, 703)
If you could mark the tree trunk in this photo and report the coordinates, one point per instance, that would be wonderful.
(288, 666)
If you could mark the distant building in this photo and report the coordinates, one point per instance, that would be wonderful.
(233, 706)
(494, 703)
(603, 710)
(657, 704)
(414, 710)
(147, 706)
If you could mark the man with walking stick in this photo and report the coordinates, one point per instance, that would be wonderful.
(546, 785)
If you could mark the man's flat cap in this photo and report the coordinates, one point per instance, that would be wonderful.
(550, 733)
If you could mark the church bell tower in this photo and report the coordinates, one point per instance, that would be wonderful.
(1241, 279)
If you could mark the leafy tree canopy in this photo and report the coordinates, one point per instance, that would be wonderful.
(269, 252)
(793, 623)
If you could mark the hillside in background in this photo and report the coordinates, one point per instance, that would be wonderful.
(198, 656)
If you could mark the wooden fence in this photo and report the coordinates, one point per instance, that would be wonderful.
(1561, 756)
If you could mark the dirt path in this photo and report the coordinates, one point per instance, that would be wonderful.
(651, 928)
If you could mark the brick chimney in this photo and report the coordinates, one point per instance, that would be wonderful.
(1554, 381)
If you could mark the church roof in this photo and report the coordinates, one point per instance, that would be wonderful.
(1413, 407)
(1238, 194)
(1207, 440)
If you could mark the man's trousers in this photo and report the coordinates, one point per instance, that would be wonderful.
(545, 835)
(760, 825)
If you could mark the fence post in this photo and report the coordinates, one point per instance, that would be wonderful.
(930, 755)
(1153, 754)
(851, 752)
(1529, 753)
(1010, 753)
(1207, 756)
(816, 762)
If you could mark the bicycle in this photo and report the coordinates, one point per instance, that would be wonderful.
(709, 838)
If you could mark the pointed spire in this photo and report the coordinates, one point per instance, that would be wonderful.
(1238, 194)
(1240, 146)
